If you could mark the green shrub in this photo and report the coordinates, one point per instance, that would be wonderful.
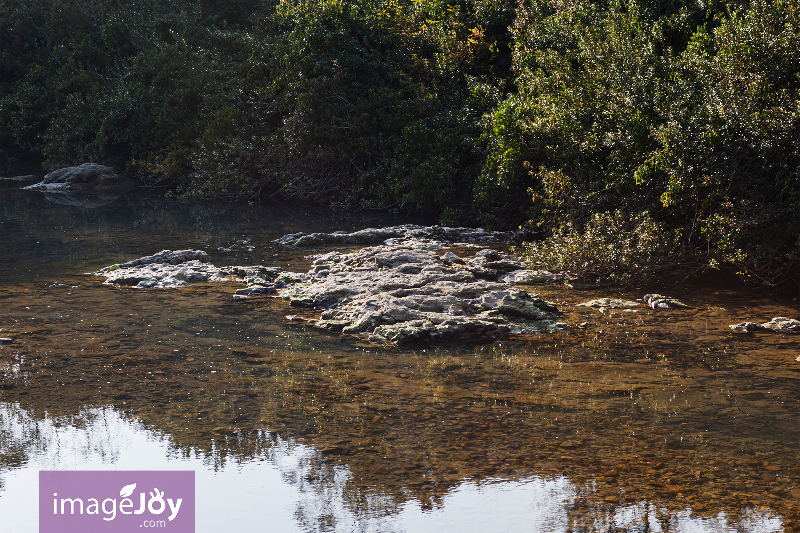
(612, 247)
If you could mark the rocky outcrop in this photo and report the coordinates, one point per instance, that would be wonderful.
(389, 293)
(88, 177)
(780, 323)
(400, 294)
(420, 237)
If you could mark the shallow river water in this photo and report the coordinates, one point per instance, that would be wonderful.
(632, 421)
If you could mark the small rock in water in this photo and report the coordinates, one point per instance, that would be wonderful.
(659, 301)
(779, 323)
(746, 327)
(609, 303)
(256, 290)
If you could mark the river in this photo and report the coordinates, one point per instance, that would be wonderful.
(629, 421)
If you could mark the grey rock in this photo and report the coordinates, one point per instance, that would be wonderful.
(488, 254)
(169, 257)
(452, 258)
(780, 323)
(256, 290)
(166, 269)
(253, 274)
(83, 178)
(746, 327)
(659, 301)
(399, 294)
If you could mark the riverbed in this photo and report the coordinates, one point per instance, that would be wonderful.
(643, 420)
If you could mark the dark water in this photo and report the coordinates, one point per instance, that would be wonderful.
(646, 421)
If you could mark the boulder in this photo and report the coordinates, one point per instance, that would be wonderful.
(84, 178)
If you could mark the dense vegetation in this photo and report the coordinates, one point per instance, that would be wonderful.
(630, 133)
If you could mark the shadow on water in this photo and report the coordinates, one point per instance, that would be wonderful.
(643, 421)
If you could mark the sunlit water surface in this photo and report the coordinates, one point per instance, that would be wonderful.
(634, 422)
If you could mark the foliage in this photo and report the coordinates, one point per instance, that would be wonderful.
(687, 111)
(690, 116)
(611, 246)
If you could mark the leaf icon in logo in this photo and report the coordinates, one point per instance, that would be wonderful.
(127, 490)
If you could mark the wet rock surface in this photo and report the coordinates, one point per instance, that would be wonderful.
(399, 294)
(170, 269)
(423, 237)
(659, 301)
(609, 303)
(779, 323)
(164, 270)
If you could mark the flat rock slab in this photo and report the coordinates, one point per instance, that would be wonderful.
(399, 294)
(167, 269)
(659, 301)
(780, 323)
(171, 269)
(420, 237)
(610, 303)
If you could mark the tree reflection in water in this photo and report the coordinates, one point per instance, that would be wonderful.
(318, 491)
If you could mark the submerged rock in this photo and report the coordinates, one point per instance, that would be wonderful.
(401, 294)
(419, 237)
(86, 199)
(659, 301)
(780, 323)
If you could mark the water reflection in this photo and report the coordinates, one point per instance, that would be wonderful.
(287, 486)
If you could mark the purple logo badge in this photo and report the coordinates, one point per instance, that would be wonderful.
(116, 501)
